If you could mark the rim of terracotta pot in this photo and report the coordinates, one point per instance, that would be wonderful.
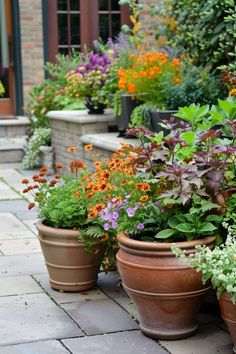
(51, 231)
(124, 240)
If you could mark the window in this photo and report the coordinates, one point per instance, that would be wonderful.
(75, 23)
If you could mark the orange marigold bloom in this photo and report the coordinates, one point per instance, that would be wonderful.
(102, 186)
(97, 164)
(107, 197)
(41, 174)
(76, 195)
(76, 165)
(57, 176)
(144, 198)
(43, 169)
(72, 149)
(31, 205)
(89, 195)
(92, 215)
(88, 147)
(99, 207)
(35, 176)
(53, 182)
(25, 181)
(105, 174)
(25, 190)
(59, 165)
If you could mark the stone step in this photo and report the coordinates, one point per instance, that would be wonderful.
(13, 127)
(12, 149)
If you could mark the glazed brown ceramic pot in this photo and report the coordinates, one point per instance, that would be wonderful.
(69, 266)
(228, 313)
(166, 292)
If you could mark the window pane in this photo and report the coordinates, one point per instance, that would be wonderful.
(103, 5)
(74, 5)
(115, 5)
(75, 29)
(62, 29)
(63, 51)
(62, 5)
(104, 27)
(115, 25)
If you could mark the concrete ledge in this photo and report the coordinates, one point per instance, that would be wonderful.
(14, 121)
(106, 141)
(81, 117)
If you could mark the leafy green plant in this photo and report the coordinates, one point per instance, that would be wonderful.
(40, 137)
(218, 264)
(141, 116)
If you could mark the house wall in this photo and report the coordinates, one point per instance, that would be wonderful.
(31, 44)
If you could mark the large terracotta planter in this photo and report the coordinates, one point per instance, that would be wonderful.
(167, 293)
(228, 313)
(69, 266)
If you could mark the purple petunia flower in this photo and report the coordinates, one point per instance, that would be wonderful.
(106, 227)
(114, 224)
(130, 212)
(140, 227)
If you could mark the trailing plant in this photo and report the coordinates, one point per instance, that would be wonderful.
(40, 137)
(141, 116)
(218, 264)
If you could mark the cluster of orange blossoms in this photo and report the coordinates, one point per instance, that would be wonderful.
(148, 73)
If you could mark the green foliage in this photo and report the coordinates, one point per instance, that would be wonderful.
(218, 264)
(141, 116)
(198, 85)
(40, 137)
(205, 29)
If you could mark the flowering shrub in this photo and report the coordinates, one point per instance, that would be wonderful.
(149, 74)
(218, 264)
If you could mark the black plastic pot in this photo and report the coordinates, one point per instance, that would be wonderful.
(98, 109)
(157, 116)
(128, 103)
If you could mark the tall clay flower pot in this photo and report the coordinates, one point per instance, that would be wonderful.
(69, 266)
(228, 313)
(166, 292)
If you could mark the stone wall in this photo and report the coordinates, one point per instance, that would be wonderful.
(31, 44)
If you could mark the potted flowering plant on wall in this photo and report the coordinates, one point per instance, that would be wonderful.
(88, 79)
(187, 177)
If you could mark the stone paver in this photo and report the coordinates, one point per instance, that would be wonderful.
(98, 317)
(28, 318)
(208, 340)
(7, 193)
(133, 342)
(26, 215)
(47, 347)
(23, 246)
(11, 206)
(22, 264)
(63, 298)
(110, 284)
(12, 228)
(18, 286)
(31, 225)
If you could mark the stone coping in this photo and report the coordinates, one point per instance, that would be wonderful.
(106, 141)
(81, 117)
(14, 121)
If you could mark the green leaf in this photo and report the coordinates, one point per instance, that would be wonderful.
(226, 106)
(165, 233)
(215, 218)
(208, 206)
(207, 227)
(185, 227)
(189, 137)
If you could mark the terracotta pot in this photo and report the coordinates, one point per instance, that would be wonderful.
(69, 266)
(228, 313)
(167, 293)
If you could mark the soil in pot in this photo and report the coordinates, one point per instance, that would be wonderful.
(69, 266)
(167, 293)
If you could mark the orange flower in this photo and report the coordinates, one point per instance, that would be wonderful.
(25, 190)
(97, 164)
(41, 174)
(89, 195)
(35, 176)
(105, 174)
(59, 165)
(95, 155)
(88, 147)
(57, 176)
(72, 149)
(31, 205)
(76, 195)
(99, 207)
(92, 215)
(25, 181)
(53, 182)
(107, 197)
(43, 169)
(103, 186)
(76, 165)
(144, 198)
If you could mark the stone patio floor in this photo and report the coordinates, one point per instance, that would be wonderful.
(35, 319)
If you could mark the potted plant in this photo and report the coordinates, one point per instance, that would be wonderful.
(219, 266)
(186, 178)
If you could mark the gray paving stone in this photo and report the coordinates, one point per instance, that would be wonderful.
(63, 298)
(10, 206)
(31, 225)
(22, 246)
(133, 342)
(18, 286)
(98, 317)
(111, 285)
(23, 264)
(128, 305)
(13, 228)
(47, 347)
(34, 317)
(26, 214)
(7, 193)
(208, 340)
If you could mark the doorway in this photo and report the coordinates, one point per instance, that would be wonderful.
(6, 60)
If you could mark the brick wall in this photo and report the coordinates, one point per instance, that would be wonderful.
(32, 44)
